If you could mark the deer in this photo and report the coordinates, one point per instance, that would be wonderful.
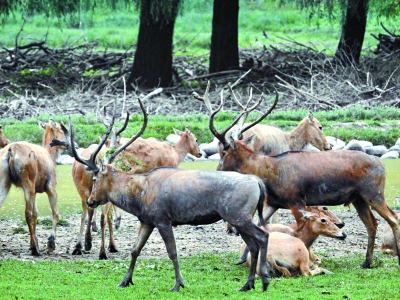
(3, 139)
(287, 256)
(269, 139)
(388, 245)
(313, 225)
(30, 167)
(298, 179)
(52, 130)
(142, 156)
(168, 196)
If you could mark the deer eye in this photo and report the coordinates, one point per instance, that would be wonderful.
(323, 221)
(320, 127)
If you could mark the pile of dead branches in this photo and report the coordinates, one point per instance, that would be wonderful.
(77, 79)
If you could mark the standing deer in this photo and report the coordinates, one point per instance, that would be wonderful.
(168, 196)
(296, 179)
(269, 139)
(52, 130)
(3, 139)
(31, 168)
(142, 155)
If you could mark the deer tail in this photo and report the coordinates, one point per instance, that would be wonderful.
(260, 205)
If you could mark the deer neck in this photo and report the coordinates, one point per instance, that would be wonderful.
(304, 232)
(181, 148)
(297, 138)
(53, 151)
(127, 191)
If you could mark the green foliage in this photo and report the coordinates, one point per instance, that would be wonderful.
(48, 222)
(19, 230)
(206, 275)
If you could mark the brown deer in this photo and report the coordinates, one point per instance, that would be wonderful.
(168, 196)
(313, 225)
(297, 179)
(52, 130)
(3, 139)
(31, 168)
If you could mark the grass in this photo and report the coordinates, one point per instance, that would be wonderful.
(379, 125)
(206, 276)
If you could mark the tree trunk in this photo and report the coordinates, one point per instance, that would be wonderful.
(224, 52)
(152, 65)
(353, 31)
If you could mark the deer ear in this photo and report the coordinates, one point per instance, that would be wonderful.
(41, 124)
(249, 142)
(178, 132)
(310, 116)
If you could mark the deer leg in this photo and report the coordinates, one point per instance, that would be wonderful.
(78, 246)
(88, 233)
(31, 219)
(257, 241)
(104, 213)
(93, 221)
(51, 242)
(143, 235)
(392, 219)
(117, 219)
(371, 224)
(167, 235)
(111, 246)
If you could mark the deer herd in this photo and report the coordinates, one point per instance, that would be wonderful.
(262, 169)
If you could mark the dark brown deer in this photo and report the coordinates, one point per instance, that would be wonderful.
(168, 196)
(31, 168)
(3, 139)
(297, 179)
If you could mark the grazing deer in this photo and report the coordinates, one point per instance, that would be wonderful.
(31, 168)
(3, 139)
(168, 196)
(297, 179)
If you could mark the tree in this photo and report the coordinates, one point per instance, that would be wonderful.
(353, 30)
(224, 50)
(354, 21)
(152, 66)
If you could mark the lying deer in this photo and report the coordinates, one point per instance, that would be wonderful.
(287, 256)
(297, 179)
(312, 227)
(168, 196)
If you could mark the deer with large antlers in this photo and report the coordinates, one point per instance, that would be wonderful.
(296, 179)
(168, 196)
(142, 156)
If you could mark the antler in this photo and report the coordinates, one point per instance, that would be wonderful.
(206, 100)
(263, 116)
(110, 158)
(91, 162)
(115, 135)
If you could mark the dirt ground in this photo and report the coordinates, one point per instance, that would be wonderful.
(189, 239)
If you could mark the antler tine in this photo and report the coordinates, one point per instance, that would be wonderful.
(221, 136)
(91, 162)
(123, 126)
(205, 98)
(65, 142)
(123, 147)
(264, 115)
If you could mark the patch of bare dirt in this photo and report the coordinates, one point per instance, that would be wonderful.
(189, 239)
